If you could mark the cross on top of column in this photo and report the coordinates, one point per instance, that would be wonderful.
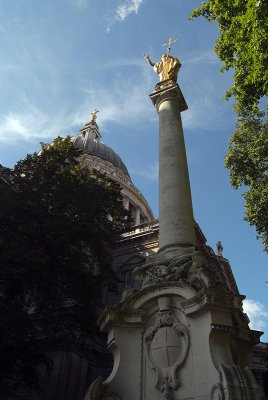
(170, 40)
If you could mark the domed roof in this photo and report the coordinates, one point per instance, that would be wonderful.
(95, 148)
(100, 156)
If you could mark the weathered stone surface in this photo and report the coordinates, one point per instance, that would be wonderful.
(172, 342)
(176, 222)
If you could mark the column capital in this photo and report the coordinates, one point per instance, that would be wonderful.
(168, 90)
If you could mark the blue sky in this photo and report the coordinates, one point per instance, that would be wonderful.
(61, 59)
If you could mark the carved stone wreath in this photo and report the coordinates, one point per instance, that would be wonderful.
(166, 346)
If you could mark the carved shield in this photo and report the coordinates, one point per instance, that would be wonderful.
(166, 347)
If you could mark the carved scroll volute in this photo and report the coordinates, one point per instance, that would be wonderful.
(166, 346)
(96, 391)
(217, 393)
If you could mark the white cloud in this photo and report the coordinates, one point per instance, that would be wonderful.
(31, 123)
(193, 118)
(125, 102)
(207, 110)
(123, 10)
(151, 173)
(126, 62)
(256, 313)
(205, 57)
(24, 125)
(8, 67)
(126, 8)
(79, 3)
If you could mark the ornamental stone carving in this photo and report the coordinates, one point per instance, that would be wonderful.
(96, 391)
(217, 392)
(166, 270)
(192, 269)
(166, 347)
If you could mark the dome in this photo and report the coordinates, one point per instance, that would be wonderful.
(98, 149)
(98, 156)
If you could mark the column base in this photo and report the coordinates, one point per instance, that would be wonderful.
(175, 250)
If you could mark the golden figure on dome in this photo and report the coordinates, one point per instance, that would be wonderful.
(94, 115)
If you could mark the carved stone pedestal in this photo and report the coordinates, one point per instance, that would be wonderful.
(182, 336)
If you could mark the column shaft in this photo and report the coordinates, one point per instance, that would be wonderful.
(176, 222)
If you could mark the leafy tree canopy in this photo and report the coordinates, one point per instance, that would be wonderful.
(58, 225)
(243, 46)
(247, 160)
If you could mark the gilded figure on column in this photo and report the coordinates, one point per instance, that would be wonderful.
(167, 68)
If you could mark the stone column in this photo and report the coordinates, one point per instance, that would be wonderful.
(126, 203)
(137, 216)
(176, 222)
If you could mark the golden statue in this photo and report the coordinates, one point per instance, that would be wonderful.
(94, 115)
(168, 66)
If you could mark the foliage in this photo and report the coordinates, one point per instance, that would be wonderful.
(58, 225)
(247, 160)
(242, 45)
